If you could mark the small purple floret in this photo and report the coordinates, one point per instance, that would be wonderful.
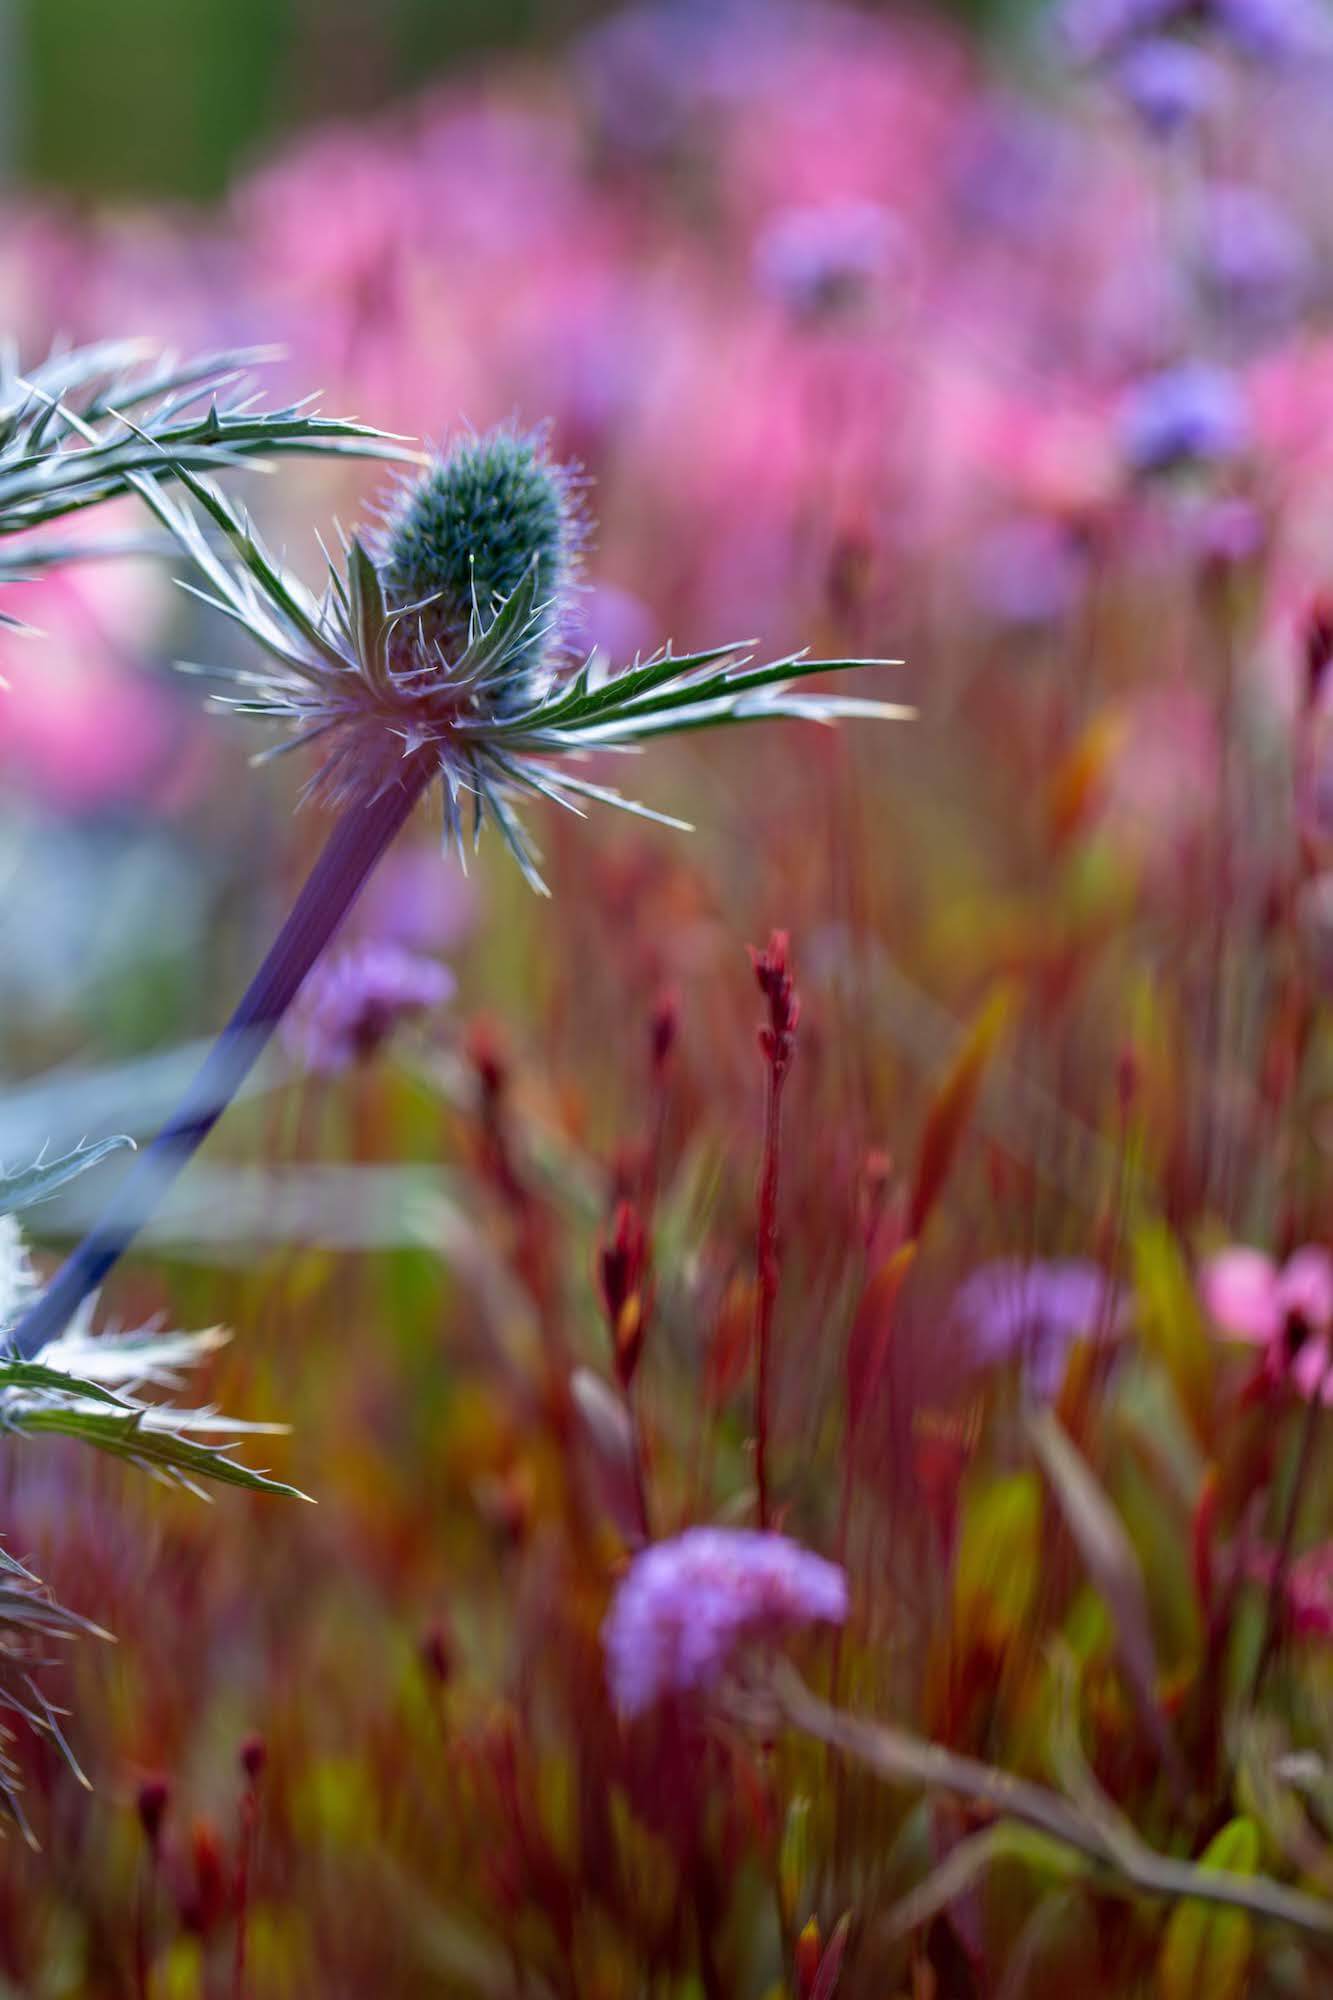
(1256, 261)
(1029, 572)
(1168, 84)
(352, 1003)
(1034, 1313)
(826, 258)
(1192, 414)
(688, 1607)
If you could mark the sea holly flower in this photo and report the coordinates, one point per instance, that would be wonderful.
(444, 660)
(688, 1609)
(1284, 1310)
(439, 664)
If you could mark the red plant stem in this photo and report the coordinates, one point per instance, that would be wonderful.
(640, 1464)
(362, 834)
(249, 1815)
(1274, 1610)
(767, 1272)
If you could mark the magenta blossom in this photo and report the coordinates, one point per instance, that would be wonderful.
(1286, 1310)
(1307, 1589)
(687, 1608)
(351, 1004)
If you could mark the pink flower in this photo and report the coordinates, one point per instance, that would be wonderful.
(1307, 1589)
(1286, 1310)
(83, 727)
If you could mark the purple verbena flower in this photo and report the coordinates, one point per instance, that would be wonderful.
(1269, 33)
(687, 1608)
(353, 1002)
(1168, 84)
(1092, 31)
(1192, 414)
(1029, 572)
(1034, 1313)
(826, 259)
(1272, 33)
(1256, 262)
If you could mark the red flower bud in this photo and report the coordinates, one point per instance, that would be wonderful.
(772, 971)
(622, 1270)
(151, 1804)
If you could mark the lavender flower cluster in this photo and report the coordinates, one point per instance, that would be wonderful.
(688, 1608)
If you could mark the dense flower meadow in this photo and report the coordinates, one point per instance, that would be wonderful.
(812, 1342)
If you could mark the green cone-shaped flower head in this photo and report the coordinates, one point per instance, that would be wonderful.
(468, 531)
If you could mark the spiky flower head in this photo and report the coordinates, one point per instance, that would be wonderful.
(442, 660)
(471, 527)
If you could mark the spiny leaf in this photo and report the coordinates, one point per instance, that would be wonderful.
(139, 1434)
(44, 1177)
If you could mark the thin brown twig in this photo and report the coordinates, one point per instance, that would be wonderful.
(1129, 1863)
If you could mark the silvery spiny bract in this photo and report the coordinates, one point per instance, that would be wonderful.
(89, 1386)
(445, 659)
(67, 442)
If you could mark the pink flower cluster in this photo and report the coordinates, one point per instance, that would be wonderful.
(910, 350)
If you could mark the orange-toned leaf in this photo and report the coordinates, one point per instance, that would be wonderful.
(951, 1112)
(872, 1329)
(1080, 778)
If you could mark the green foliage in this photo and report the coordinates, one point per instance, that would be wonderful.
(1171, 1323)
(997, 1572)
(1206, 1951)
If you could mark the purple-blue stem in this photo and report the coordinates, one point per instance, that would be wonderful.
(362, 834)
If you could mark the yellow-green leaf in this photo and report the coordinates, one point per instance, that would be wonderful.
(1171, 1322)
(999, 1560)
(1206, 1951)
(952, 1106)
